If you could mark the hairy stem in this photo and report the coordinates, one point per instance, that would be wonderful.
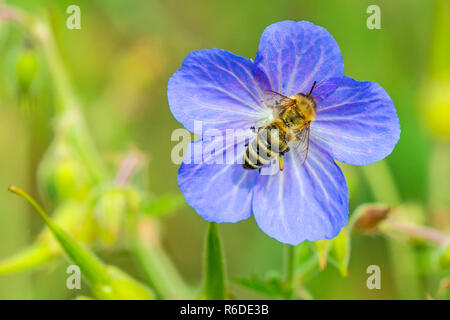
(419, 232)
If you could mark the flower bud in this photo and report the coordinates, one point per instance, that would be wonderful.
(367, 217)
(64, 172)
(62, 176)
(26, 70)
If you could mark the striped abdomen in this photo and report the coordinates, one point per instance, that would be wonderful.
(269, 143)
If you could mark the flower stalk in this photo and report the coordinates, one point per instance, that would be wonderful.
(290, 259)
(384, 190)
(157, 267)
(214, 268)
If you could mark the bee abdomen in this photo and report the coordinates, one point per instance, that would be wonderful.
(259, 151)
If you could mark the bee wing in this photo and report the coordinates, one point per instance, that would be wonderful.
(275, 100)
(300, 144)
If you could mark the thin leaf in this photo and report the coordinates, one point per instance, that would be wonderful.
(107, 282)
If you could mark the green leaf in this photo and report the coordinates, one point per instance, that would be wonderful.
(340, 250)
(107, 282)
(271, 286)
(121, 287)
(322, 248)
(214, 273)
(90, 266)
(73, 217)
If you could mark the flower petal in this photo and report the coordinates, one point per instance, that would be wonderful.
(219, 88)
(217, 191)
(295, 54)
(308, 202)
(356, 122)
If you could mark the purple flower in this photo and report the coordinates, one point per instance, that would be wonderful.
(356, 123)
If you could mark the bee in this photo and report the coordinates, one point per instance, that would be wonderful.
(289, 129)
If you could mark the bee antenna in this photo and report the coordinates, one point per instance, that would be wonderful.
(312, 88)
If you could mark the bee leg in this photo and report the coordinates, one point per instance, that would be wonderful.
(255, 129)
(259, 170)
(285, 151)
(280, 162)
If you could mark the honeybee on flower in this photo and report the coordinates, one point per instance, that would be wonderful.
(352, 121)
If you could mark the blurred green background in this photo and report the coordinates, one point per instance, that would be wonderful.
(119, 64)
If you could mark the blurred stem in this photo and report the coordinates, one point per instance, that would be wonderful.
(157, 267)
(439, 182)
(290, 258)
(417, 232)
(66, 99)
(31, 257)
(65, 95)
(382, 184)
(42, 33)
(308, 270)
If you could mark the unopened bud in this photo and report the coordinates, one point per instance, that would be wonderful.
(367, 217)
(62, 176)
(26, 70)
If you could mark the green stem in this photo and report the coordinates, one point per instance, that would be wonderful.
(66, 99)
(289, 265)
(418, 232)
(43, 33)
(26, 259)
(381, 182)
(157, 267)
(214, 272)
